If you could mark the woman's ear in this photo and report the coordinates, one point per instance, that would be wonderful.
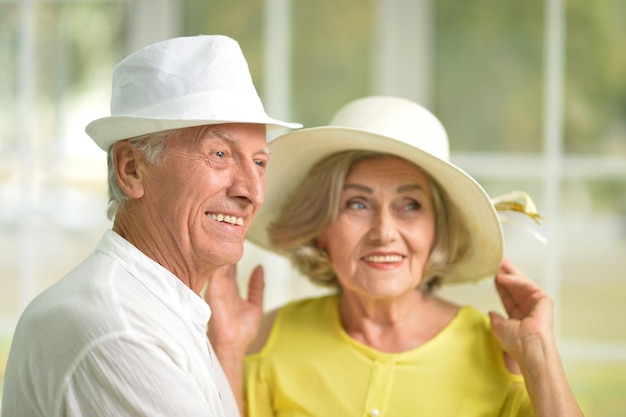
(320, 243)
(128, 162)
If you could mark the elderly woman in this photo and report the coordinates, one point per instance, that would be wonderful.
(371, 206)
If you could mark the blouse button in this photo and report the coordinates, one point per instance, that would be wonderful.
(374, 412)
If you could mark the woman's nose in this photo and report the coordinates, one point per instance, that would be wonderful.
(382, 230)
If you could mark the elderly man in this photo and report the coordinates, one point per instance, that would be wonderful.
(124, 333)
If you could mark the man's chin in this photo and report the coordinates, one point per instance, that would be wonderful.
(226, 253)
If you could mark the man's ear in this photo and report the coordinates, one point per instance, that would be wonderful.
(128, 162)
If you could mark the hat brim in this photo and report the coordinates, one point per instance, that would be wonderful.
(298, 151)
(108, 130)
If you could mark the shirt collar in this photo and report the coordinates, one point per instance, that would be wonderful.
(158, 280)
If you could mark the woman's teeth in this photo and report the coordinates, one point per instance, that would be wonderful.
(383, 258)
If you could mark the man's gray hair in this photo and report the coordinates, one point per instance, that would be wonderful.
(151, 147)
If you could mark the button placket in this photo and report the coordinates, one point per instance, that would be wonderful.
(378, 391)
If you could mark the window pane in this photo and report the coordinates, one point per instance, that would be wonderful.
(488, 89)
(595, 102)
(55, 63)
(332, 54)
(488, 74)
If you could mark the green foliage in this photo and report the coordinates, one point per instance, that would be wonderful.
(489, 61)
(489, 74)
(332, 52)
(240, 19)
(596, 83)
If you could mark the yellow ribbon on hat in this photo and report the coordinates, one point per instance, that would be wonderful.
(520, 202)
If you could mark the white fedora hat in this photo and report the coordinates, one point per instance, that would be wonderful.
(398, 127)
(178, 83)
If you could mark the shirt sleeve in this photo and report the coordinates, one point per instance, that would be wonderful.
(123, 376)
(517, 403)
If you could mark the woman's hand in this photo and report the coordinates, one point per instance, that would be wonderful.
(234, 321)
(527, 335)
(529, 309)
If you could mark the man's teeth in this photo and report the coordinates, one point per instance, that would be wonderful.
(383, 258)
(227, 219)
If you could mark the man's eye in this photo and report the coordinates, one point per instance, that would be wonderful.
(260, 163)
(220, 154)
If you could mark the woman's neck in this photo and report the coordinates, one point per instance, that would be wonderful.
(394, 325)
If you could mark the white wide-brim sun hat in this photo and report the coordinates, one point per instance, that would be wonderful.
(393, 126)
(178, 83)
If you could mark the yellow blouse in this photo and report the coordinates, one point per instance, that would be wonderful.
(311, 367)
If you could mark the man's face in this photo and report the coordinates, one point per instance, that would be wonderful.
(201, 199)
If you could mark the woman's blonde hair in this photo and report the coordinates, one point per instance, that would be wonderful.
(314, 207)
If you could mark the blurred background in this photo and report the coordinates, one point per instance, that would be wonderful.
(533, 95)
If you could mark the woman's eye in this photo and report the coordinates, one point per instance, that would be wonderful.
(413, 206)
(356, 205)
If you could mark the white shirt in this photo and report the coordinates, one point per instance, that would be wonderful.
(118, 336)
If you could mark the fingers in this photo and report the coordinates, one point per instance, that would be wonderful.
(222, 284)
(520, 296)
(501, 328)
(224, 272)
(508, 271)
(517, 292)
(507, 266)
(496, 319)
(256, 286)
(515, 284)
(506, 296)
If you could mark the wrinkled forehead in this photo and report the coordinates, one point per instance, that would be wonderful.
(376, 160)
(235, 134)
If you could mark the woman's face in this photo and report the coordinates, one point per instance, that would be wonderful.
(384, 231)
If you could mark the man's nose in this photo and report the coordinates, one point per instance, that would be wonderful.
(248, 183)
